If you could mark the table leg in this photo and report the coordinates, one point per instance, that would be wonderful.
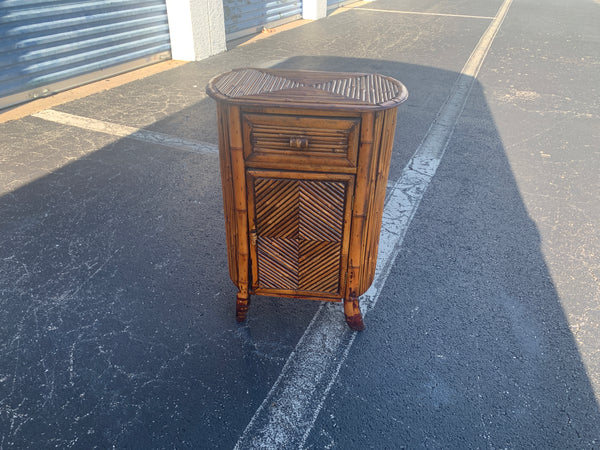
(353, 315)
(241, 307)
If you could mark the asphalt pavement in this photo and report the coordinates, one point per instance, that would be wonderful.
(117, 315)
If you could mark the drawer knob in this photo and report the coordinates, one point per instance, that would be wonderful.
(299, 142)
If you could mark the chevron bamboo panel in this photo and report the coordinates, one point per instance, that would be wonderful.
(277, 208)
(319, 266)
(299, 230)
(278, 263)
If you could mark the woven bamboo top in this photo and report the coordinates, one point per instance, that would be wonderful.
(330, 90)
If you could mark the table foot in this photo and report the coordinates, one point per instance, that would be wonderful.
(353, 315)
(241, 307)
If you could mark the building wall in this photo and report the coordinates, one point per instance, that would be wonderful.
(197, 27)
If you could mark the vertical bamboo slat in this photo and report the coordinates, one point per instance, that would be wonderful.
(376, 210)
(227, 183)
(359, 207)
(241, 212)
(371, 189)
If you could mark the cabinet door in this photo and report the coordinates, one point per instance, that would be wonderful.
(299, 228)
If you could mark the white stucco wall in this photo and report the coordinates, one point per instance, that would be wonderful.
(197, 28)
(314, 9)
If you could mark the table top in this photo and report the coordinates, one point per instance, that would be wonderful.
(307, 89)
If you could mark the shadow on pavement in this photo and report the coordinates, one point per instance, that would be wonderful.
(117, 314)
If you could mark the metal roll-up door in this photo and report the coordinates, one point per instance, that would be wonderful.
(47, 46)
(244, 17)
(333, 4)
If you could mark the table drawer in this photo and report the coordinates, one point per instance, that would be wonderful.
(284, 140)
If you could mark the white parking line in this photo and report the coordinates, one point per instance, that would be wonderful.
(288, 413)
(151, 137)
(423, 13)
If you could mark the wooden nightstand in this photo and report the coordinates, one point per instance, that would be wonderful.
(304, 163)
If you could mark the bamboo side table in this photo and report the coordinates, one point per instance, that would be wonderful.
(304, 163)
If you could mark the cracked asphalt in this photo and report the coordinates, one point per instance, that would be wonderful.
(117, 316)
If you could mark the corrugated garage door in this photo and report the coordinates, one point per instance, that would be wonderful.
(244, 17)
(47, 46)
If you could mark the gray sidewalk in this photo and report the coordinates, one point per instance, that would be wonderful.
(117, 315)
